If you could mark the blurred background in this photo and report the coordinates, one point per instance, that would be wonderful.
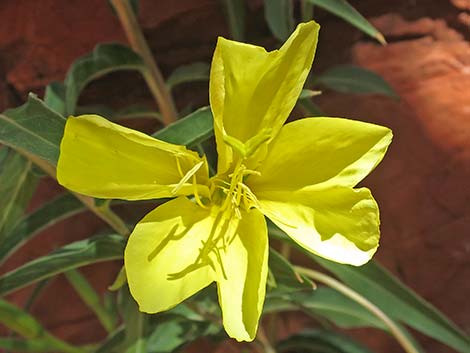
(422, 186)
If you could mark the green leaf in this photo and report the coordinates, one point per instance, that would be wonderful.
(33, 223)
(308, 94)
(336, 307)
(320, 341)
(19, 321)
(17, 185)
(35, 345)
(33, 128)
(167, 337)
(112, 342)
(135, 323)
(398, 301)
(305, 103)
(54, 97)
(4, 152)
(190, 130)
(344, 10)
(279, 15)
(119, 281)
(104, 59)
(189, 73)
(179, 327)
(326, 303)
(39, 340)
(310, 109)
(91, 298)
(285, 276)
(391, 296)
(235, 13)
(354, 79)
(130, 112)
(74, 255)
(136, 112)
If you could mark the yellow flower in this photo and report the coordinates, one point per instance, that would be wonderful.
(301, 176)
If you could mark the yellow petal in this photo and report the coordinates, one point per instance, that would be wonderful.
(163, 244)
(103, 159)
(242, 282)
(318, 153)
(252, 90)
(339, 224)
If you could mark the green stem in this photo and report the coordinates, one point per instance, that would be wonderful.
(152, 74)
(90, 298)
(333, 283)
(306, 10)
(64, 347)
(262, 338)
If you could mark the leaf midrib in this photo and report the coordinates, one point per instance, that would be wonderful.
(21, 127)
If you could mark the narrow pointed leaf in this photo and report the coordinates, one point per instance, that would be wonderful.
(34, 128)
(309, 108)
(189, 73)
(391, 296)
(38, 339)
(285, 276)
(32, 224)
(321, 341)
(17, 184)
(279, 15)
(54, 97)
(354, 79)
(190, 130)
(235, 12)
(344, 10)
(337, 308)
(36, 345)
(127, 113)
(135, 323)
(104, 59)
(19, 321)
(90, 297)
(308, 93)
(399, 302)
(74, 255)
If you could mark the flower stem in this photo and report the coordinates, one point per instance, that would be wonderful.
(262, 338)
(152, 74)
(333, 283)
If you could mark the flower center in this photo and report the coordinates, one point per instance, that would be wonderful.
(230, 192)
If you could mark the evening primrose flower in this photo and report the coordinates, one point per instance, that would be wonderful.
(300, 175)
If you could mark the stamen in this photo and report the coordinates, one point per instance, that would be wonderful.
(178, 166)
(250, 196)
(196, 194)
(188, 175)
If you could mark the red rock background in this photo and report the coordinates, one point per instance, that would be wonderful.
(422, 186)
